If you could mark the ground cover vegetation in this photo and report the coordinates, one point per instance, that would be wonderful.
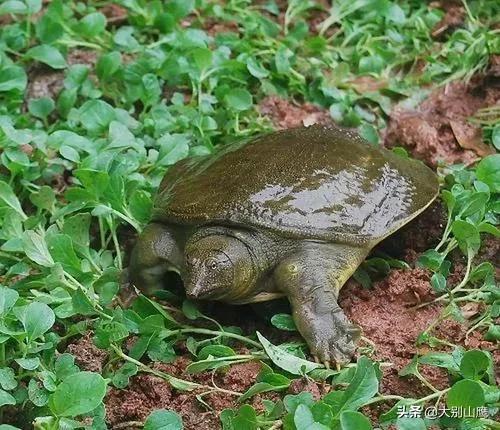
(99, 98)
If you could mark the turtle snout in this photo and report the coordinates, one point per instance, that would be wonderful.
(194, 286)
(199, 289)
(195, 291)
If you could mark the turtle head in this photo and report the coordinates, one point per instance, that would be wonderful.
(218, 267)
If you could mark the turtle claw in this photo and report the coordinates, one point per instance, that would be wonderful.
(335, 346)
(328, 333)
(328, 364)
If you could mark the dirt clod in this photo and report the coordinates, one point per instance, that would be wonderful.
(307, 385)
(387, 319)
(438, 129)
(241, 376)
(87, 355)
(44, 83)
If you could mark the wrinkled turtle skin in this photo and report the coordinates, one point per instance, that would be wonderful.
(292, 213)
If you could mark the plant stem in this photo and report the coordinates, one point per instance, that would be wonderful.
(174, 381)
(382, 399)
(127, 219)
(75, 285)
(242, 358)
(117, 248)
(446, 233)
(277, 425)
(425, 382)
(128, 424)
(215, 332)
(102, 235)
(394, 397)
(465, 279)
(72, 43)
(457, 288)
(10, 256)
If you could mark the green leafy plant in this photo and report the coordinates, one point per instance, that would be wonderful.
(95, 109)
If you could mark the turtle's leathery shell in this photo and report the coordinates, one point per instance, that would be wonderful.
(322, 183)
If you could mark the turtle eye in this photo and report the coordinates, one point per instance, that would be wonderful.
(212, 264)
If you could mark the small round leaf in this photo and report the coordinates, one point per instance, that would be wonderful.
(488, 171)
(38, 318)
(351, 420)
(78, 394)
(465, 393)
(42, 107)
(283, 322)
(474, 363)
(48, 55)
(162, 419)
(239, 99)
(495, 137)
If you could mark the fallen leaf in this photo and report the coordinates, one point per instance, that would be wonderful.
(470, 137)
(470, 309)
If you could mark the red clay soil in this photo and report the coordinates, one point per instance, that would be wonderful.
(453, 18)
(438, 130)
(146, 393)
(385, 315)
(115, 14)
(455, 332)
(286, 114)
(87, 355)
(490, 251)
(213, 27)
(307, 385)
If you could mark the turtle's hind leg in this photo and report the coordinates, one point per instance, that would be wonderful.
(312, 278)
(156, 252)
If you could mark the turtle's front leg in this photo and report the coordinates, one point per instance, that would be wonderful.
(157, 251)
(311, 279)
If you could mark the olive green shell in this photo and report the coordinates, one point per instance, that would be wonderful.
(319, 182)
